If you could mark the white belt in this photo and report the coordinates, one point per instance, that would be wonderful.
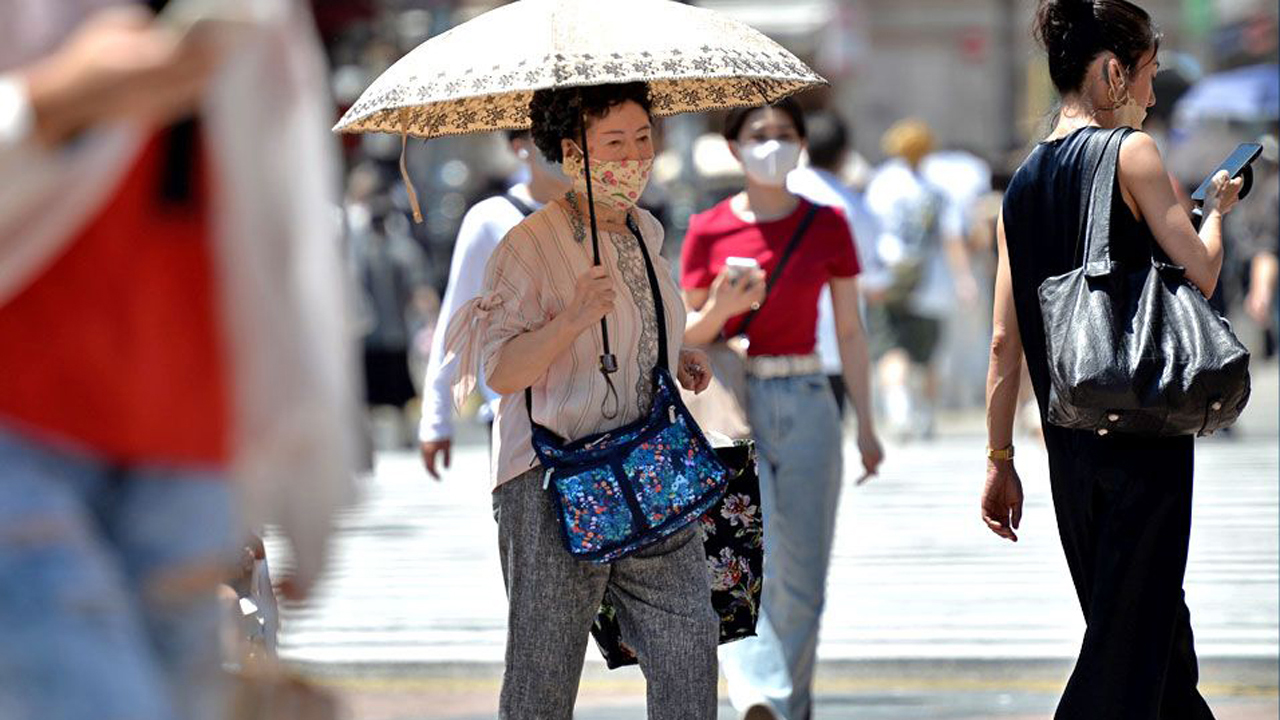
(773, 366)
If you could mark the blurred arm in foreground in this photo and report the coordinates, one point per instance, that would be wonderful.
(171, 298)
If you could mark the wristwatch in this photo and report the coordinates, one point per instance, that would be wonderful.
(1001, 454)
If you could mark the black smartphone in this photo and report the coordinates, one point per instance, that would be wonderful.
(1236, 165)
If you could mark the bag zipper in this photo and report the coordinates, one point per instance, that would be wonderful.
(629, 495)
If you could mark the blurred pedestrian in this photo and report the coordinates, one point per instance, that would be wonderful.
(392, 270)
(961, 364)
(171, 303)
(922, 244)
(483, 227)
(1257, 229)
(791, 409)
(1264, 271)
(819, 182)
(535, 326)
(1123, 501)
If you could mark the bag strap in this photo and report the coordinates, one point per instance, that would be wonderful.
(518, 204)
(659, 310)
(796, 237)
(1097, 251)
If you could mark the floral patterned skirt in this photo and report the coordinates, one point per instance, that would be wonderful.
(733, 535)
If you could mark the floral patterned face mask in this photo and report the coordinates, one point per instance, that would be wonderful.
(617, 183)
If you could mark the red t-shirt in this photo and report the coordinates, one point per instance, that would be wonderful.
(117, 345)
(787, 322)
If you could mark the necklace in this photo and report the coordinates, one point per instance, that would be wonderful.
(575, 217)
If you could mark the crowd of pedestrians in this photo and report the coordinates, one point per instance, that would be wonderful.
(174, 215)
(771, 275)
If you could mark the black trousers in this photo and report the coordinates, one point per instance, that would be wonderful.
(1123, 505)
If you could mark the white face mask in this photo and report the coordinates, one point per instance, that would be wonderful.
(554, 170)
(769, 162)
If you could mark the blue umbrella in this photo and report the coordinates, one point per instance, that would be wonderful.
(1246, 94)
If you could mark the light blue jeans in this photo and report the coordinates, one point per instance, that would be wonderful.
(92, 626)
(797, 433)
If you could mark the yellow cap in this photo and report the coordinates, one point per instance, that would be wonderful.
(910, 139)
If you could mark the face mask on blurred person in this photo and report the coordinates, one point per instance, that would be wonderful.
(553, 170)
(616, 183)
(769, 162)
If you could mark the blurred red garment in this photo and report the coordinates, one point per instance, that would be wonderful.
(273, 252)
(787, 323)
(117, 344)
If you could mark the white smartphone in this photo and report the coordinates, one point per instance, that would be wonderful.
(737, 268)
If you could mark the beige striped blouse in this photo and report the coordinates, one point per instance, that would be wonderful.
(528, 281)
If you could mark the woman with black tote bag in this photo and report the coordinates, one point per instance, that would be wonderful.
(1123, 500)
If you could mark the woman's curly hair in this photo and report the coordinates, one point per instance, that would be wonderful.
(557, 113)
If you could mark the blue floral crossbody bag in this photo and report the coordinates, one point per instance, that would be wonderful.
(619, 491)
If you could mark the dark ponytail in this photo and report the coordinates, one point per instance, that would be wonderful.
(1074, 32)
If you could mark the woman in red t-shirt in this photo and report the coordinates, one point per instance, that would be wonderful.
(791, 408)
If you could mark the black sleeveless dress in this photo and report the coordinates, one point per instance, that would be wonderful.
(1123, 502)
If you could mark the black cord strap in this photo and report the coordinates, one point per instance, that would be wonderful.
(796, 237)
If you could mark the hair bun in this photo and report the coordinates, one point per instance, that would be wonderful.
(1074, 32)
(1061, 16)
(1062, 23)
(1076, 9)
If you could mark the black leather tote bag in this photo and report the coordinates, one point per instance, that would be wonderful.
(1135, 352)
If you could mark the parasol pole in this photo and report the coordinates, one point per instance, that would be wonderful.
(608, 361)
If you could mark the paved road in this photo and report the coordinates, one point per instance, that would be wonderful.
(946, 690)
(414, 592)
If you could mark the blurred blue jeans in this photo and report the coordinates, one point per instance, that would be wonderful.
(796, 427)
(97, 619)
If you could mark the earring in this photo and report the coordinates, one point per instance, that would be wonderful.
(1112, 95)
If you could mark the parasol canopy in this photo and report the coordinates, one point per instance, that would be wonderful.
(480, 75)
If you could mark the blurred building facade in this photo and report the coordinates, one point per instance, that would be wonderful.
(971, 68)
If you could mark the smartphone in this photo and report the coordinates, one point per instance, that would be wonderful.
(739, 267)
(1237, 165)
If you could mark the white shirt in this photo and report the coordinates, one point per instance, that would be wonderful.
(896, 196)
(825, 188)
(483, 227)
(964, 178)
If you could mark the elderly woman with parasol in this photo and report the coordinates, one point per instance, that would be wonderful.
(539, 325)
(579, 276)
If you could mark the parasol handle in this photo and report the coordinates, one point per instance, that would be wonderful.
(608, 361)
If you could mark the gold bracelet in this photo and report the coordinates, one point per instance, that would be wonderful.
(1001, 454)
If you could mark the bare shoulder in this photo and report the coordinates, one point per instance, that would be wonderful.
(1140, 158)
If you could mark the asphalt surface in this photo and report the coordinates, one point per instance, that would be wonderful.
(929, 615)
